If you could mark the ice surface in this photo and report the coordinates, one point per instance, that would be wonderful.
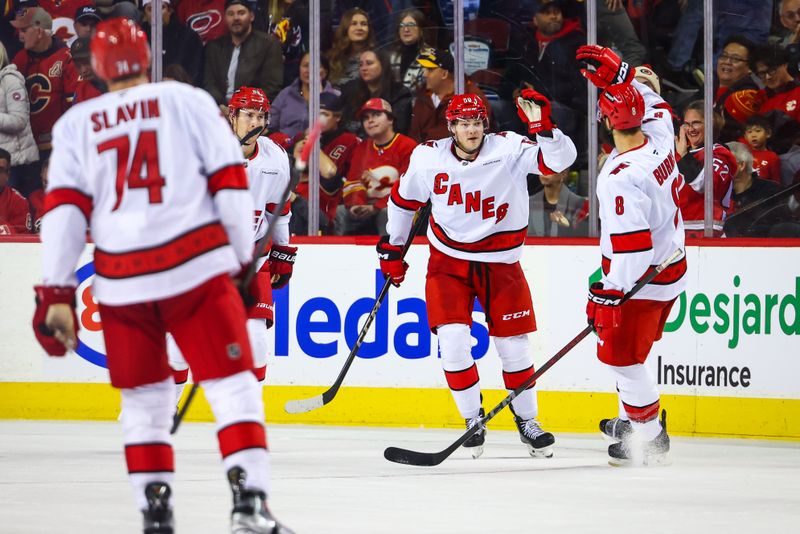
(69, 477)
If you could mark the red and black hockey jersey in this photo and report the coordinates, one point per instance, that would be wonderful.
(374, 169)
(15, 217)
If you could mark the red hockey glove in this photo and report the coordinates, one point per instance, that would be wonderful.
(392, 264)
(281, 263)
(534, 110)
(602, 310)
(250, 294)
(63, 324)
(609, 69)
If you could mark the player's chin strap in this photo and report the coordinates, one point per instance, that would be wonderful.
(255, 132)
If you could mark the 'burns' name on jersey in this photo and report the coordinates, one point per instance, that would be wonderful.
(479, 208)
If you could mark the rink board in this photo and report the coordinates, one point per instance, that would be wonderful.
(731, 352)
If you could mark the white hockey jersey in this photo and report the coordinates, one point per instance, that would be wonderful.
(268, 173)
(479, 208)
(641, 223)
(158, 176)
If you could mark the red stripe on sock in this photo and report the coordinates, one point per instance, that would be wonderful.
(515, 379)
(180, 377)
(241, 436)
(464, 379)
(150, 458)
(261, 373)
(642, 414)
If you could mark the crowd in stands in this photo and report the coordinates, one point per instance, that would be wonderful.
(388, 73)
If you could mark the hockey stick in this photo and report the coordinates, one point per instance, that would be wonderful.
(405, 456)
(306, 405)
(262, 243)
(765, 200)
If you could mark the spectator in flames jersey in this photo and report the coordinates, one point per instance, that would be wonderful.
(377, 164)
(15, 218)
(185, 189)
(689, 148)
(268, 176)
(757, 132)
(477, 186)
(781, 94)
(49, 73)
(335, 159)
(637, 193)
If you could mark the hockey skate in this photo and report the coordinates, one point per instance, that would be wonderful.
(539, 442)
(616, 428)
(475, 442)
(634, 452)
(250, 514)
(158, 516)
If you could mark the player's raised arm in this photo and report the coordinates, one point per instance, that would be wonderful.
(553, 151)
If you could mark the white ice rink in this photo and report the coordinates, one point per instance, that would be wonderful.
(69, 477)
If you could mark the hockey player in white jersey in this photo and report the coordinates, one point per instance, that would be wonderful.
(641, 226)
(476, 183)
(171, 221)
(268, 175)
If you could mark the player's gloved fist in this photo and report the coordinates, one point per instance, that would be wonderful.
(55, 324)
(281, 263)
(533, 109)
(608, 68)
(602, 310)
(392, 264)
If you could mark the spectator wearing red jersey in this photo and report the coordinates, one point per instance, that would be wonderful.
(50, 75)
(377, 164)
(63, 15)
(689, 148)
(766, 163)
(15, 218)
(15, 126)
(89, 85)
(781, 93)
(335, 159)
(36, 200)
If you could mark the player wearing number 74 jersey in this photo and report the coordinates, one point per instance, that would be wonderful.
(157, 176)
(641, 226)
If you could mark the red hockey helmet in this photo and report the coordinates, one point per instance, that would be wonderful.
(119, 49)
(468, 106)
(248, 98)
(623, 105)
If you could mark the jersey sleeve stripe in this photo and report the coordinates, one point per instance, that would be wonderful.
(400, 202)
(630, 242)
(272, 206)
(670, 275)
(65, 195)
(543, 169)
(461, 380)
(230, 177)
(497, 242)
(163, 257)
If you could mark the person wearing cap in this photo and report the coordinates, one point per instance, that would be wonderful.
(377, 164)
(335, 160)
(244, 57)
(548, 65)
(428, 114)
(180, 44)
(15, 125)
(89, 85)
(45, 62)
(85, 21)
(289, 112)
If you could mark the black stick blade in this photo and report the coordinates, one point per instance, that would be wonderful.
(405, 456)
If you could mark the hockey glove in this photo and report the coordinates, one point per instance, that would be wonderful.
(534, 110)
(602, 310)
(281, 263)
(53, 329)
(608, 68)
(392, 264)
(250, 294)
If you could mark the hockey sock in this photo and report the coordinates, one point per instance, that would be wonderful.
(639, 397)
(517, 368)
(460, 369)
(146, 420)
(180, 369)
(259, 344)
(180, 378)
(239, 412)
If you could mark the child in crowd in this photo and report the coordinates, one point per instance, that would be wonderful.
(757, 131)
